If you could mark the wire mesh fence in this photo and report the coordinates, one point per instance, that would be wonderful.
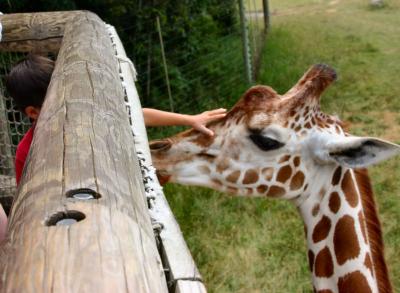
(13, 126)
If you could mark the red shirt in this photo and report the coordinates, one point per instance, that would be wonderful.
(22, 152)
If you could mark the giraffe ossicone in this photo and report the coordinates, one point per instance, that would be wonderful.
(284, 146)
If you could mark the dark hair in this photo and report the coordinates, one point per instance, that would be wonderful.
(28, 80)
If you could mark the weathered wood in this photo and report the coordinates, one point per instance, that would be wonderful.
(82, 140)
(38, 32)
(36, 46)
(174, 251)
(183, 286)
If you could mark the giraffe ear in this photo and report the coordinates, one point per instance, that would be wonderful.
(360, 152)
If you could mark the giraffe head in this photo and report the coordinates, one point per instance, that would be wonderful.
(268, 144)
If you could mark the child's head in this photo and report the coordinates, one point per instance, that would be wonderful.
(27, 83)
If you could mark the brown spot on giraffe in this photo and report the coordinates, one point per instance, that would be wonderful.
(305, 187)
(313, 120)
(361, 219)
(311, 259)
(321, 230)
(267, 173)
(297, 181)
(349, 189)
(337, 129)
(284, 159)
(345, 240)
(315, 210)
(337, 175)
(284, 174)
(233, 177)
(334, 202)
(324, 263)
(222, 165)
(261, 189)
(276, 191)
(353, 282)
(204, 169)
(322, 192)
(296, 161)
(298, 128)
(251, 176)
(307, 125)
(232, 190)
(217, 182)
(202, 139)
(368, 263)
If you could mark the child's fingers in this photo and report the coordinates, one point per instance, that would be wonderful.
(216, 116)
(217, 111)
(205, 130)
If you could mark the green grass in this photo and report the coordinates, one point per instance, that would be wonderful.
(257, 245)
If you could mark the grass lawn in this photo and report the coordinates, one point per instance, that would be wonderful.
(257, 245)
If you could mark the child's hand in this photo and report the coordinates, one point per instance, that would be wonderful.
(199, 121)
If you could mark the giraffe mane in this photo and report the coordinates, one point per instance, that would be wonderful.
(374, 230)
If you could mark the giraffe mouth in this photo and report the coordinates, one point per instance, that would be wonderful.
(163, 177)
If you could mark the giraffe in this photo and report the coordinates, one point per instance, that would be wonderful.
(283, 146)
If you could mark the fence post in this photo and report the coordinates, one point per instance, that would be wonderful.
(266, 16)
(245, 42)
(171, 104)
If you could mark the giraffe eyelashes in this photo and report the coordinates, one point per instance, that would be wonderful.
(265, 143)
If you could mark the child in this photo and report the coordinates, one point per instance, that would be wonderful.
(27, 84)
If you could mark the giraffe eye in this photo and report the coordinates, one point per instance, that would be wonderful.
(265, 143)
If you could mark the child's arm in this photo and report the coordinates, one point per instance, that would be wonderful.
(153, 117)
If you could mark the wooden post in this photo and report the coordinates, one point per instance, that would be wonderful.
(80, 222)
(267, 22)
(245, 42)
(171, 104)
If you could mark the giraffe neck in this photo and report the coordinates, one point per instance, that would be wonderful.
(343, 233)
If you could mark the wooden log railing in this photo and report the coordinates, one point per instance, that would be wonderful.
(79, 222)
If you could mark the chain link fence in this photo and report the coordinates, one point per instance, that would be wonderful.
(13, 126)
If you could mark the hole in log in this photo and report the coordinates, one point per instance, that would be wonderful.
(65, 218)
(83, 194)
